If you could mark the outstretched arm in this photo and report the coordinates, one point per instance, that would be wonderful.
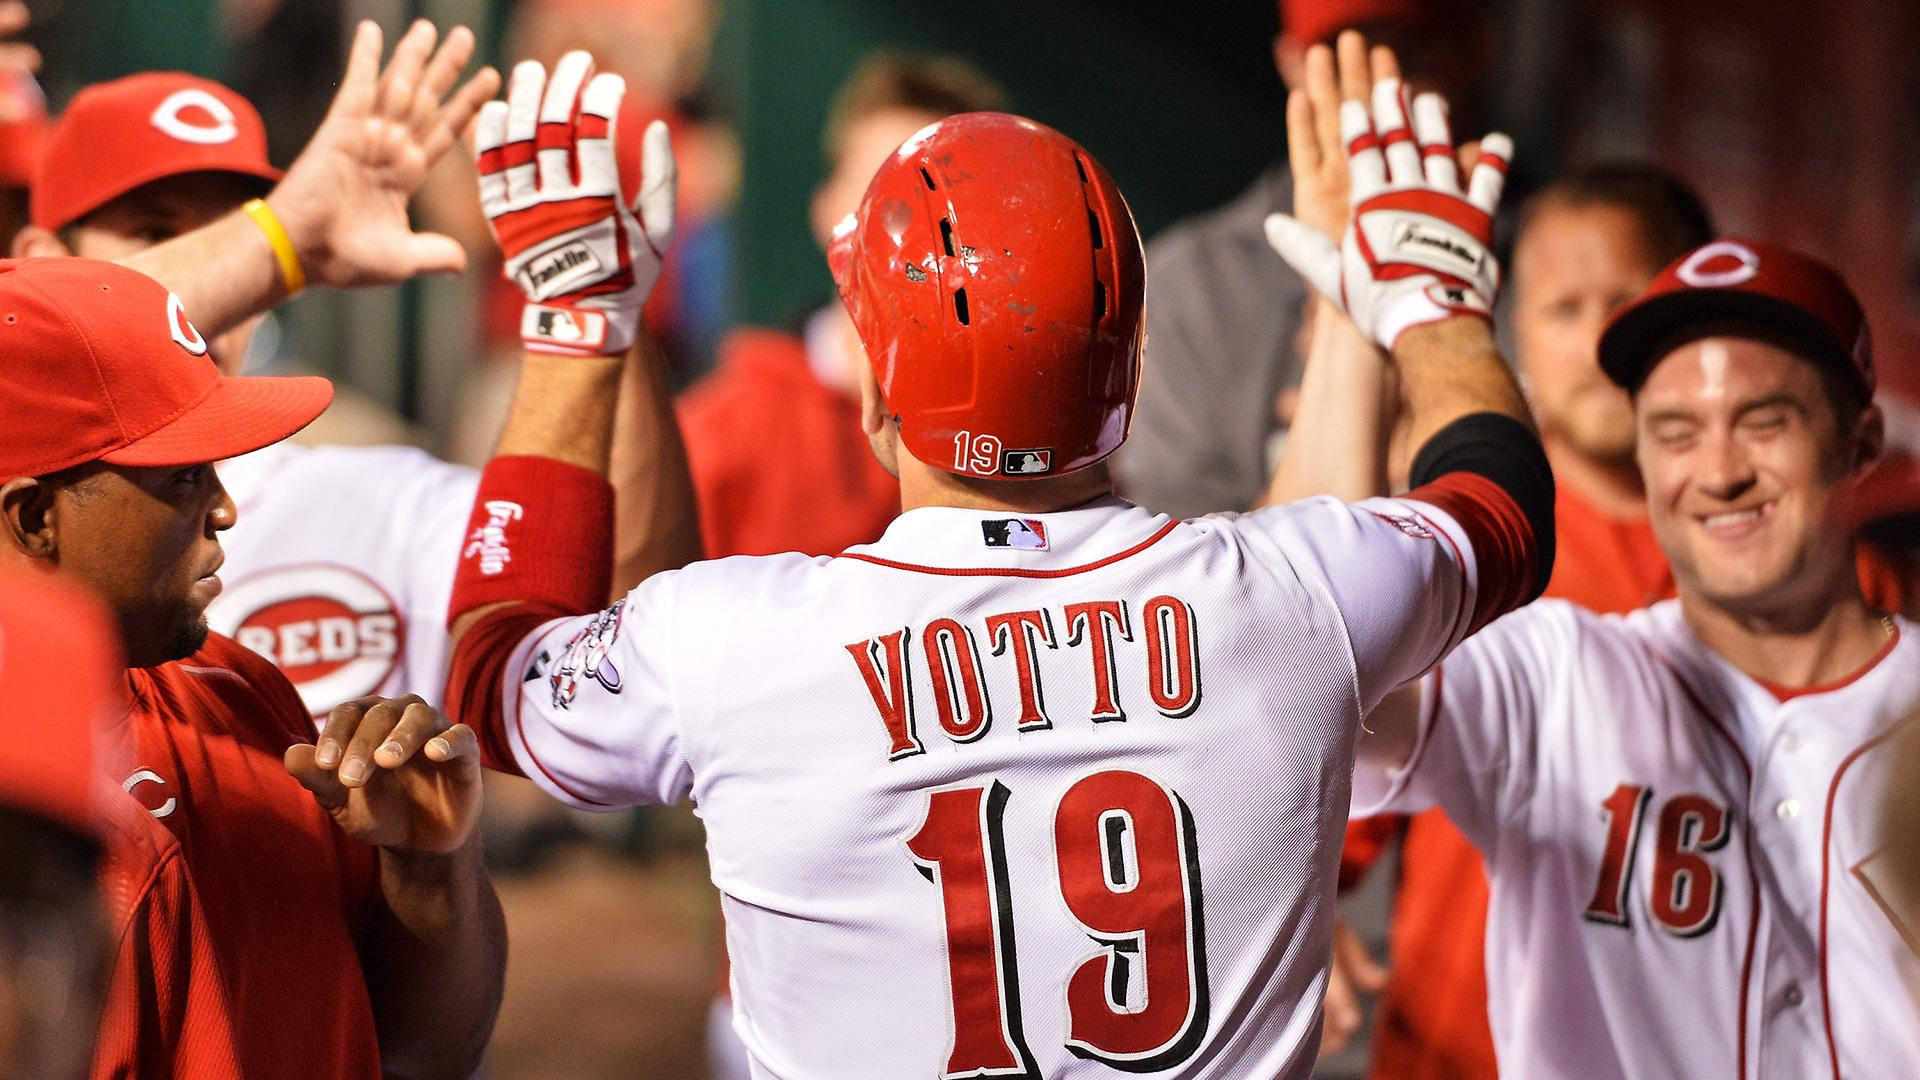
(342, 206)
(539, 546)
(1336, 444)
(1415, 273)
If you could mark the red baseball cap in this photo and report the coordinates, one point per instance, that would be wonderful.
(1889, 491)
(115, 136)
(99, 363)
(1734, 280)
(58, 659)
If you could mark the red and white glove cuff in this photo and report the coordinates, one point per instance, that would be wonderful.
(572, 330)
(1417, 307)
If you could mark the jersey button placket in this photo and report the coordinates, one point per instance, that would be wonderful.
(1787, 809)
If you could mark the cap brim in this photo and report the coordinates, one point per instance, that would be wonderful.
(127, 182)
(1641, 335)
(241, 415)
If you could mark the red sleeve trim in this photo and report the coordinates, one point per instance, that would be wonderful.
(477, 688)
(1506, 554)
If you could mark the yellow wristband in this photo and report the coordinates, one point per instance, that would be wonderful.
(282, 244)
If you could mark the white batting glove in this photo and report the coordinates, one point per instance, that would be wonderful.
(550, 185)
(1417, 249)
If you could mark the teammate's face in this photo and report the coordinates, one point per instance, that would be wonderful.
(157, 212)
(1571, 269)
(1746, 469)
(147, 540)
(865, 145)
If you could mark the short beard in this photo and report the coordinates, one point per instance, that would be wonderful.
(188, 640)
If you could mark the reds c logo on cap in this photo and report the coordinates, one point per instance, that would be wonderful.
(331, 630)
(185, 334)
(171, 117)
(1718, 265)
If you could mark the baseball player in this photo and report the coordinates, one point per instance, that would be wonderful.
(342, 573)
(1679, 805)
(1054, 808)
(383, 941)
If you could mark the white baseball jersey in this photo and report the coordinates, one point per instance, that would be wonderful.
(340, 566)
(1033, 796)
(1685, 869)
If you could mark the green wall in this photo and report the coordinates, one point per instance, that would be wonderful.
(1179, 101)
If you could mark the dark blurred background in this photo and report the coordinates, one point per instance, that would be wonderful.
(1797, 121)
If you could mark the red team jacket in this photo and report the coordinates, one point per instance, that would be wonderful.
(778, 459)
(287, 896)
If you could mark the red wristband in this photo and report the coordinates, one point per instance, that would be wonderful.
(541, 533)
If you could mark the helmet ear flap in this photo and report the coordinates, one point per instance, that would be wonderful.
(840, 253)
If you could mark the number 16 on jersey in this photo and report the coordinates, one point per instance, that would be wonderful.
(1129, 872)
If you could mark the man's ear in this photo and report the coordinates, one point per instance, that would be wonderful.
(34, 242)
(28, 517)
(1869, 437)
(874, 413)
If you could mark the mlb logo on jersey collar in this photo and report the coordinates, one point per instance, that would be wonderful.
(1027, 534)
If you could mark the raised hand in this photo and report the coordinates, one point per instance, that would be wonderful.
(395, 773)
(550, 185)
(344, 200)
(1417, 248)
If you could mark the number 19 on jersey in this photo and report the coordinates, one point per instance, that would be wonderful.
(1129, 872)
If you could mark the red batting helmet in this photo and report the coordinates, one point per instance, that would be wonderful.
(995, 276)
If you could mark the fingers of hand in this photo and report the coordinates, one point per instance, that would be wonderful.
(1350, 48)
(356, 760)
(524, 87)
(1366, 166)
(441, 72)
(1323, 93)
(659, 182)
(418, 723)
(325, 786)
(1382, 63)
(457, 743)
(1489, 175)
(13, 17)
(402, 75)
(555, 137)
(459, 112)
(599, 111)
(1308, 251)
(1435, 136)
(1303, 147)
(339, 728)
(359, 82)
(1396, 137)
(489, 142)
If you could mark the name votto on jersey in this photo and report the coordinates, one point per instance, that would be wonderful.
(955, 654)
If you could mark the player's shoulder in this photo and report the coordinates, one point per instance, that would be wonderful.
(139, 851)
(256, 694)
(773, 580)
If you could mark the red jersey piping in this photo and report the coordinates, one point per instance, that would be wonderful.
(1017, 572)
(1784, 694)
(1746, 845)
(1826, 857)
